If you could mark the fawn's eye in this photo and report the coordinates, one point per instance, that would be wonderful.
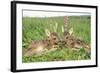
(79, 42)
(54, 38)
(66, 37)
(55, 43)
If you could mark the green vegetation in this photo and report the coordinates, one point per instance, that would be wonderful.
(33, 29)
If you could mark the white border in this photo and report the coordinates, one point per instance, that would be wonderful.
(41, 13)
(36, 65)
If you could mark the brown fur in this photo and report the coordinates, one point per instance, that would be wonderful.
(41, 46)
(73, 42)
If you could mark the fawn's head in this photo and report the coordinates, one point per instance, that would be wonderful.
(53, 38)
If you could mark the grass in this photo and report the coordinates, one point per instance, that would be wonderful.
(59, 55)
(33, 29)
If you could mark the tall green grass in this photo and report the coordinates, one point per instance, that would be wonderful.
(34, 29)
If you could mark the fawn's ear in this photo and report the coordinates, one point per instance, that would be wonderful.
(47, 32)
(71, 31)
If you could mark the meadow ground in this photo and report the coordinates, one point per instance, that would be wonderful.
(33, 29)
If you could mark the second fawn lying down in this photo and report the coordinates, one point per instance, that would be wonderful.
(41, 46)
(72, 42)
